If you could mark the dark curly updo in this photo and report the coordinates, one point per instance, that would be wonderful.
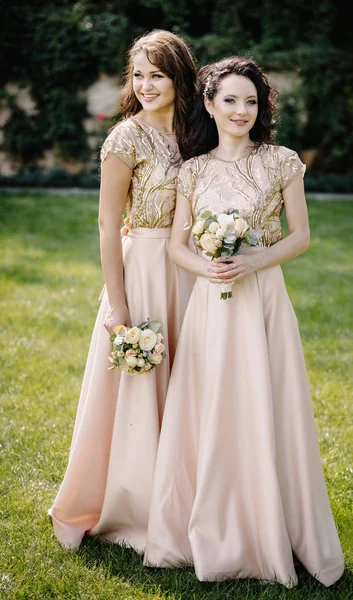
(203, 135)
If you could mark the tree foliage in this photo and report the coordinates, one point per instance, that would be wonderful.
(59, 48)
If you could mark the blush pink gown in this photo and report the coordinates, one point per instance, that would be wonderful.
(239, 486)
(106, 489)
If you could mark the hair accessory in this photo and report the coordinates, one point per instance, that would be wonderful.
(207, 86)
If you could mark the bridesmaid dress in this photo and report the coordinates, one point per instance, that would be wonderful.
(239, 487)
(107, 485)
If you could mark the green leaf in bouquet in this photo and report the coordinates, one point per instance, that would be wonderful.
(209, 221)
(112, 337)
(206, 215)
(154, 326)
(237, 245)
(253, 236)
(143, 324)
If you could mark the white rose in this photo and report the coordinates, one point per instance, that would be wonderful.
(132, 335)
(198, 228)
(225, 220)
(159, 338)
(213, 227)
(207, 241)
(148, 340)
(155, 359)
(140, 362)
(240, 226)
(221, 233)
(131, 361)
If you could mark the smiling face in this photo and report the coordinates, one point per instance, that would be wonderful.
(235, 106)
(153, 89)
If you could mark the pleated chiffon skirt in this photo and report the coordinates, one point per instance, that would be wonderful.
(239, 485)
(107, 485)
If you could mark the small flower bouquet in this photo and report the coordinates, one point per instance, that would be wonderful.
(222, 235)
(137, 349)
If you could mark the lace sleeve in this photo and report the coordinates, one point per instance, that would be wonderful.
(290, 166)
(121, 142)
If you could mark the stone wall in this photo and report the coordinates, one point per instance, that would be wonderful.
(102, 102)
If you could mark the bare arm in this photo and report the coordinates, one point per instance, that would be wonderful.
(179, 251)
(115, 182)
(295, 243)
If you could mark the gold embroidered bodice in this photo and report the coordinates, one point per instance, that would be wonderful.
(155, 160)
(253, 185)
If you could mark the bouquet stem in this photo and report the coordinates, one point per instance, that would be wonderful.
(226, 291)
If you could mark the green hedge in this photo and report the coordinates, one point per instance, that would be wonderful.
(42, 178)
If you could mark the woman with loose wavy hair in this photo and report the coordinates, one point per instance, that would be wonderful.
(107, 486)
(239, 488)
(203, 134)
(171, 54)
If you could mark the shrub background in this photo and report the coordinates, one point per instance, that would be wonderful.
(57, 50)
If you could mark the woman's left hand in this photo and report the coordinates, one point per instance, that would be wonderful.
(232, 269)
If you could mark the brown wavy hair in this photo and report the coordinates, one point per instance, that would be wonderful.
(203, 134)
(172, 55)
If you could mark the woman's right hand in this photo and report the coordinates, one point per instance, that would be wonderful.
(116, 316)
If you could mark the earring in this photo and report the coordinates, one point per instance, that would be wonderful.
(211, 116)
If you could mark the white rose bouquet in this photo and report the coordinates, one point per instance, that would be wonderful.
(137, 349)
(222, 235)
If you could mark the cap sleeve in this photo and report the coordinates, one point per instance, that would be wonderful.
(290, 166)
(185, 183)
(121, 142)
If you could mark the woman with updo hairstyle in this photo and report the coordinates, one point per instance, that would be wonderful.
(107, 486)
(239, 489)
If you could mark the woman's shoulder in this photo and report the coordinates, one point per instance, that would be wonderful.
(277, 152)
(122, 140)
(127, 127)
(194, 163)
(283, 162)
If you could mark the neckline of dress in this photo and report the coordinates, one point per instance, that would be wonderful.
(142, 124)
(235, 160)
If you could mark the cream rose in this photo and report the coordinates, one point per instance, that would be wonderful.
(198, 228)
(148, 340)
(207, 241)
(140, 362)
(214, 227)
(225, 220)
(155, 359)
(131, 361)
(159, 338)
(159, 348)
(130, 352)
(132, 335)
(240, 226)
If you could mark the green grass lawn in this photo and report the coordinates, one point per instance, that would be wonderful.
(50, 282)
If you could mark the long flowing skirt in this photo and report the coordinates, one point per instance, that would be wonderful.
(107, 486)
(239, 485)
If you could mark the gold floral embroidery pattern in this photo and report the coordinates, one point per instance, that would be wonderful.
(155, 160)
(252, 185)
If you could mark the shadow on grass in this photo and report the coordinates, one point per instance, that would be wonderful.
(182, 584)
